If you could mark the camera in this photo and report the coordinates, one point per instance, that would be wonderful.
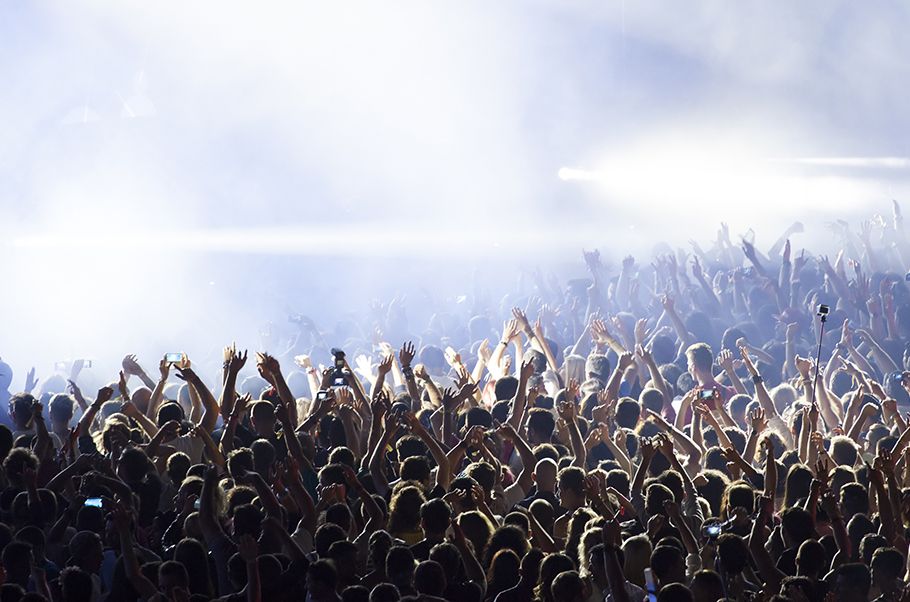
(822, 310)
(707, 394)
(713, 530)
(338, 379)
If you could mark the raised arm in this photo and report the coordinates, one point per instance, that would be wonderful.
(725, 360)
(519, 403)
(443, 475)
(567, 411)
(131, 367)
(164, 370)
(85, 422)
(234, 365)
(143, 586)
(248, 550)
(406, 357)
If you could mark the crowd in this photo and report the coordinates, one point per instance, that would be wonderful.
(654, 431)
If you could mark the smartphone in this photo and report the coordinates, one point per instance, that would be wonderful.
(94, 502)
(650, 585)
(707, 394)
(86, 363)
(173, 358)
(196, 505)
(321, 395)
(713, 530)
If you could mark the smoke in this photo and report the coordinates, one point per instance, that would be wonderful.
(176, 175)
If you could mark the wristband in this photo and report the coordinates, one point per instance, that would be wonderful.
(504, 343)
(757, 379)
(408, 372)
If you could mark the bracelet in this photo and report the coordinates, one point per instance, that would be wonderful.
(757, 379)
(504, 343)
(408, 372)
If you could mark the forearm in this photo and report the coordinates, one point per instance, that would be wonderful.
(253, 590)
(377, 471)
(443, 476)
(228, 394)
(734, 379)
(145, 423)
(155, 399)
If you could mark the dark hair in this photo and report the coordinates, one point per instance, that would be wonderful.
(798, 524)
(628, 412)
(674, 592)
(339, 514)
(732, 552)
(542, 422)
(855, 499)
(400, 565)
(323, 571)
(663, 558)
(811, 558)
(505, 388)
(170, 410)
(325, 536)
(429, 578)
(506, 537)
(435, 515)
(75, 584)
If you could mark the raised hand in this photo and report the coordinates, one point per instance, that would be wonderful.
(131, 366)
(164, 368)
(121, 386)
(385, 366)
(237, 361)
(643, 354)
(510, 330)
(104, 394)
(626, 361)
(522, 319)
(572, 391)
(406, 354)
(31, 381)
(803, 366)
(758, 421)
(303, 361)
(647, 448)
(566, 411)
(747, 361)
(846, 336)
(268, 366)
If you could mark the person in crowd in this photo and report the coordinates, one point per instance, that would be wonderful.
(664, 430)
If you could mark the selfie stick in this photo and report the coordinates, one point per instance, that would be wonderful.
(823, 314)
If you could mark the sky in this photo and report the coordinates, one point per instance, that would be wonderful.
(169, 166)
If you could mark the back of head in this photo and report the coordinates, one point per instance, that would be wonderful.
(707, 585)
(674, 592)
(400, 565)
(568, 587)
(700, 357)
(429, 578)
(844, 451)
(75, 585)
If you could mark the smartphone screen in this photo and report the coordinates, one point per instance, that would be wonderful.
(94, 502)
(173, 358)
